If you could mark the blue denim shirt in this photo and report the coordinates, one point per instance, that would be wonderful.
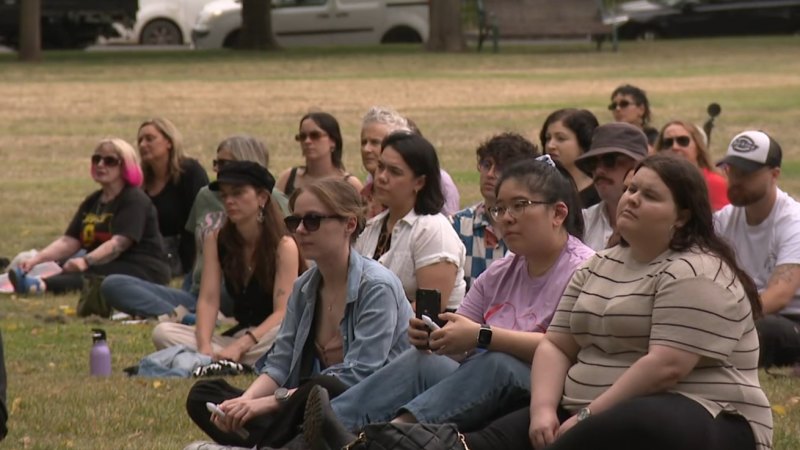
(374, 327)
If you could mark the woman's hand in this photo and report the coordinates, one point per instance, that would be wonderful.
(418, 333)
(238, 411)
(29, 264)
(569, 423)
(75, 265)
(544, 428)
(233, 352)
(460, 335)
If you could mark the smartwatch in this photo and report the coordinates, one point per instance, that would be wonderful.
(584, 414)
(281, 395)
(484, 336)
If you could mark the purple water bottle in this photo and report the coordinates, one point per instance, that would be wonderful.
(100, 357)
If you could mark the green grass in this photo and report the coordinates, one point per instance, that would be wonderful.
(52, 114)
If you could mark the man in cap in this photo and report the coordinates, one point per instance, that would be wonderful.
(762, 224)
(615, 150)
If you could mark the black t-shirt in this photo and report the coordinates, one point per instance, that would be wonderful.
(130, 214)
(174, 203)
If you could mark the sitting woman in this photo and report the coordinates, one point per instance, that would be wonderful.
(172, 181)
(565, 135)
(258, 262)
(688, 141)
(140, 298)
(411, 238)
(630, 104)
(505, 312)
(320, 139)
(347, 318)
(115, 226)
(653, 344)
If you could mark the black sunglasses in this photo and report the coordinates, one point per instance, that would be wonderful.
(108, 161)
(606, 160)
(311, 222)
(622, 105)
(683, 141)
(314, 135)
(220, 163)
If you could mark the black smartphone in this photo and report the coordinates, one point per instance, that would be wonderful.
(429, 303)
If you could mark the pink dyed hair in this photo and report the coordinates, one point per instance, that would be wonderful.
(131, 170)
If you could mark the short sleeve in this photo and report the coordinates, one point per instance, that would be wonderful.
(695, 313)
(130, 218)
(475, 302)
(436, 241)
(563, 314)
(788, 238)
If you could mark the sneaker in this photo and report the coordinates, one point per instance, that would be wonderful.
(25, 284)
(209, 445)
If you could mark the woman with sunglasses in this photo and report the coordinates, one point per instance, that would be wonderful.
(142, 299)
(115, 226)
(688, 141)
(499, 324)
(172, 181)
(346, 318)
(320, 140)
(412, 238)
(255, 258)
(629, 104)
(565, 135)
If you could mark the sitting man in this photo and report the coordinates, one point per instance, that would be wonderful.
(615, 150)
(473, 224)
(762, 225)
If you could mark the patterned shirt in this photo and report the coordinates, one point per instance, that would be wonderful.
(484, 245)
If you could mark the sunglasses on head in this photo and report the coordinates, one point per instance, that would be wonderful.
(622, 104)
(683, 141)
(108, 161)
(311, 222)
(606, 160)
(314, 135)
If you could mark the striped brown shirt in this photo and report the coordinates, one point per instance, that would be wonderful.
(616, 307)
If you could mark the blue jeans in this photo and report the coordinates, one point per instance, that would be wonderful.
(142, 298)
(436, 389)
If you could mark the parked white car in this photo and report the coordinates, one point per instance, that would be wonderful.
(164, 22)
(319, 22)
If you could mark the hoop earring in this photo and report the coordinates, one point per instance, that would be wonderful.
(260, 216)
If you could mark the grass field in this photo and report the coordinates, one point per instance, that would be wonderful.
(52, 114)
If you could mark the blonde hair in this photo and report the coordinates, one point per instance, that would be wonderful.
(340, 197)
(698, 138)
(131, 169)
(176, 155)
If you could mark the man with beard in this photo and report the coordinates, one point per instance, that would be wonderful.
(615, 150)
(474, 225)
(762, 224)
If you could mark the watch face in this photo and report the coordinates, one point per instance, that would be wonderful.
(584, 413)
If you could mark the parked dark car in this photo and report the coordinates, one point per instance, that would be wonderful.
(69, 23)
(650, 19)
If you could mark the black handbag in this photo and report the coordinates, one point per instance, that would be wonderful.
(409, 436)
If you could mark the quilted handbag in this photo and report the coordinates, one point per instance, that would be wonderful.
(409, 436)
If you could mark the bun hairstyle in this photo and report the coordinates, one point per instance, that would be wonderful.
(340, 197)
(130, 169)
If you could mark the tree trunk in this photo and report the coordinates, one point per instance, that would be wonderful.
(256, 31)
(30, 31)
(445, 27)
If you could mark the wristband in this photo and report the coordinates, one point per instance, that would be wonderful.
(252, 336)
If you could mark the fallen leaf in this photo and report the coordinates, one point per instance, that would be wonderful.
(16, 404)
(779, 410)
(157, 384)
(26, 442)
(794, 400)
(51, 365)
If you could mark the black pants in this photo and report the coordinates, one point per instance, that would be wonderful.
(3, 410)
(654, 422)
(779, 337)
(73, 281)
(273, 430)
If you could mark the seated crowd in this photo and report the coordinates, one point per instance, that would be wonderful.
(616, 290)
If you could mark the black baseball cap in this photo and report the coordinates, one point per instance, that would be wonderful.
(244, 173)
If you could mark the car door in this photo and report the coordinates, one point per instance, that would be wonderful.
(358, 22)
(301, 22)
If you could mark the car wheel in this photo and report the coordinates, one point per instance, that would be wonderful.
(400, 35)
(161, 32)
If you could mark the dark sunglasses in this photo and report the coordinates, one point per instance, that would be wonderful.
(108, 161)
(314, 135)
(311, 222)
(683, 141)
(220, 163)
(622, 105)
(607, 160)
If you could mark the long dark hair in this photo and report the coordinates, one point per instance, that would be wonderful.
(554, 184)
(639, 97)
(689, 191)
(330, 125)
(265, 254)
(580, 121)
(420, 156)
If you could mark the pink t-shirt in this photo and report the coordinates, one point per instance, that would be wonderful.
(507, 297)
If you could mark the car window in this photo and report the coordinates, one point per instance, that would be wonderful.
(296, 3)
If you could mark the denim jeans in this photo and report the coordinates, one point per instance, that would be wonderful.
(141, 298)
(436, 389)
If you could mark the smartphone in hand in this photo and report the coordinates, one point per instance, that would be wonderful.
(429, 303)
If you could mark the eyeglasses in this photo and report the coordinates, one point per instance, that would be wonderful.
(682, 141)
(622, 105)
(220, 163)
(486, 165)
(314, 135)
(515, 210)
(108, 161)
(311, 222)
(608, 160)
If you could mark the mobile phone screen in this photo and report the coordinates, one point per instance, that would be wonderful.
(429, 303)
